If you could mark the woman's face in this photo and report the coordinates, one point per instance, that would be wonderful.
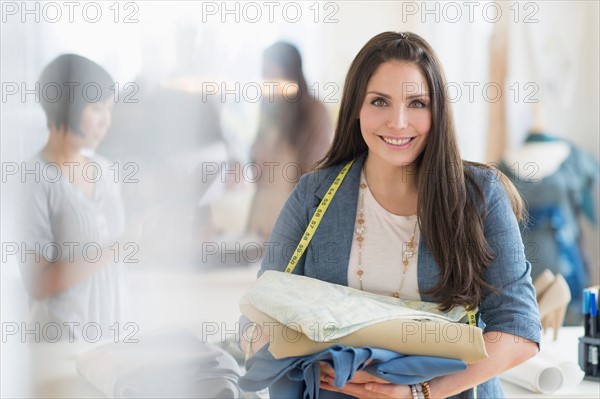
(395, 116)
(95, 122)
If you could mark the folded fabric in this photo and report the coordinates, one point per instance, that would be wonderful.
(449, 340)
(174, 364)
(297, 302)
(299, 376)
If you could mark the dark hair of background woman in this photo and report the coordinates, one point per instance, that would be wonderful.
(67, 85)
(290, 113)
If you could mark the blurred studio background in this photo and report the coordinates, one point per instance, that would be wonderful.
(215, 109)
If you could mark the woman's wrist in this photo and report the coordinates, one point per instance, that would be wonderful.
(435, 388)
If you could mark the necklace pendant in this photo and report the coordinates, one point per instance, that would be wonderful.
(396, 294)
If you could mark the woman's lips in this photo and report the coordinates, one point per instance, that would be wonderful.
(397, 142)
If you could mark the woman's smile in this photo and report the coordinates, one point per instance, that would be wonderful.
(398, 143)
(394, 122)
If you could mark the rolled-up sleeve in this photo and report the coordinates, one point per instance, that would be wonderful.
(513, 308)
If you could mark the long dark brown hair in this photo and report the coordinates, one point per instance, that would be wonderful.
(448, 217)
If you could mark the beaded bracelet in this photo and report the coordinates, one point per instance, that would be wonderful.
(420, 393)
(413, 389)
(426, 389)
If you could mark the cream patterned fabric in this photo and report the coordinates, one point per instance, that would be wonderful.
(325, 312)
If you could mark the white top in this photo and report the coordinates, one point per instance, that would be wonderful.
(55, 213)
(385, 237)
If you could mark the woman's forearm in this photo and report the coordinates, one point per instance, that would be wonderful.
(505, 351)
(46, 279)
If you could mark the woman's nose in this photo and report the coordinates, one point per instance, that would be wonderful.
(398, 118)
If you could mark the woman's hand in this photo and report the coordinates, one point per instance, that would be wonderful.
(370, 390)
(259, 338)
(363, 385)
(360, 377)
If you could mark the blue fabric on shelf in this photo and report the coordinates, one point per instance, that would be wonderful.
(568, 250)
(584, 175)
(299, 376)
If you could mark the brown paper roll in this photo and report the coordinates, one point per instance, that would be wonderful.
(409, 337)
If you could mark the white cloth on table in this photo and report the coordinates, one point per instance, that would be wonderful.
(174, 364)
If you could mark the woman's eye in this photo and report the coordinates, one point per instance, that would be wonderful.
(418, 104)
(378, 102)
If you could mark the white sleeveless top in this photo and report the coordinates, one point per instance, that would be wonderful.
(385, 237)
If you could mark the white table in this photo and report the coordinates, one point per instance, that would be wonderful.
(565, 347)
(161, 298)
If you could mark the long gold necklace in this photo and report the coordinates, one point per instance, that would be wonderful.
(407, 253)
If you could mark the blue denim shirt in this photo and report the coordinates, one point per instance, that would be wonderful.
(513, 309)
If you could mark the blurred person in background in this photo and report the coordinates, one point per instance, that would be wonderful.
(294, 133)
(557, 180)
(72, 225)
(176, 138)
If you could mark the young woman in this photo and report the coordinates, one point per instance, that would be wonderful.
(412, 219)
(72, 213)
(294, 133)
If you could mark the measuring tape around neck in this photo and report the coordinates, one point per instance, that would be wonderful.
(316, 218)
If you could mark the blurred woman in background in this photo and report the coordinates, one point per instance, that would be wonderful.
(294, 133)
(72, 214)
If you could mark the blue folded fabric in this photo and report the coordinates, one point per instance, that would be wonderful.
(299, 376)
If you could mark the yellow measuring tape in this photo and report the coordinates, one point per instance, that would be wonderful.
(472, 316)
(316, 220)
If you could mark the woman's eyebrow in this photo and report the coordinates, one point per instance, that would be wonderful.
(418, 95)
(409, 97)
(379, 94)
